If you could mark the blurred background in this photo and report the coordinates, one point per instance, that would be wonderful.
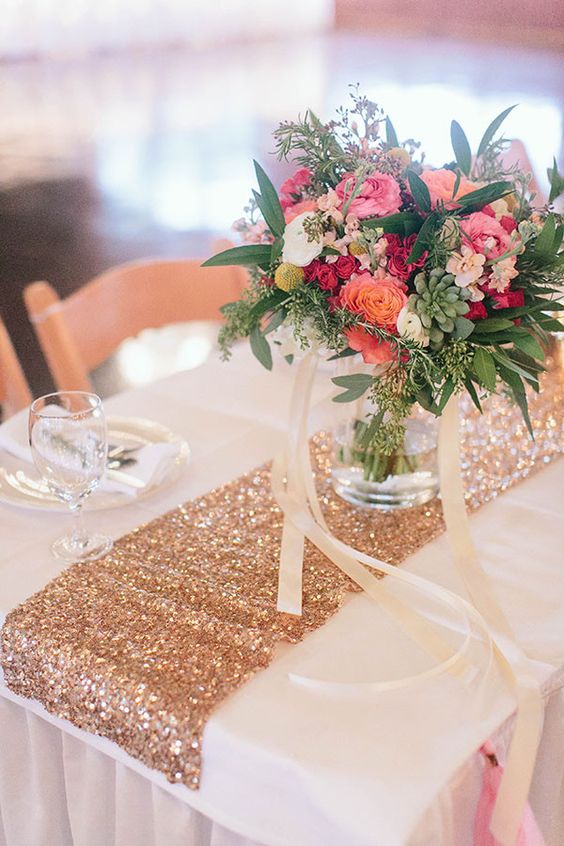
(128, 127)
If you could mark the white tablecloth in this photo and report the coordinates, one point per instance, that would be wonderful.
(284, 766)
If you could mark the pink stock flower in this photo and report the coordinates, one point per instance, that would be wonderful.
(441, 185)
(485, 235)
(373, 349)
(379, 195)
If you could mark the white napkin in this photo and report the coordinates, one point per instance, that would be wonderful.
(151, 462)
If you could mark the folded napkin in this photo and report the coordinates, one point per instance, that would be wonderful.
(152, 462)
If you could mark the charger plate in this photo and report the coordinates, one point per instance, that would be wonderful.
(21, 485)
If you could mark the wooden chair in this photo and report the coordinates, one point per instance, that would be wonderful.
(79, 332)
(14, 390)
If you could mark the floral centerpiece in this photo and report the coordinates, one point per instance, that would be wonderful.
(442, 280)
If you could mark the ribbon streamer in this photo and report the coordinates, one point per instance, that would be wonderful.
(294, 490)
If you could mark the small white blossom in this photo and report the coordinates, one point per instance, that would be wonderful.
(298, 249)
(409, 326)
(502, 274)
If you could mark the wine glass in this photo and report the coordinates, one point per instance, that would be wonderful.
(67, 436)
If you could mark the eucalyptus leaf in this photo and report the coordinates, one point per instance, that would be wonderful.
(422, 240)
(402, 223)
(473, 394)
(391, 136)
(419, 191)
(356, 385)
(270, 201)
(462, 328)
(545, 239)
(461, 147)
(556, 182)
(483, 365)
(492, 324)
(344, 354)
(492, 129)
(247, 255)
(261, 348)
(476, 200)
(446, 393)
(529, 345)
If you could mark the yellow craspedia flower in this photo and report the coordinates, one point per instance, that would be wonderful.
(288, 276)
(355, 249)
(401, 155)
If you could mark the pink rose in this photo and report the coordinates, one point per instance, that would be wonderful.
(485, 235)
(441, 185)
(373, 349)
(379, 195)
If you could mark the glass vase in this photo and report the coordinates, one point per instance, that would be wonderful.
(378, 476)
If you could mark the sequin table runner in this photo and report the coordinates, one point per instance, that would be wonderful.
(142, 645)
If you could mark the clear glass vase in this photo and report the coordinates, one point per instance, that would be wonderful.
(382, 478)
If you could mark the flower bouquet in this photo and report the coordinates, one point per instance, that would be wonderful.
(440, 280)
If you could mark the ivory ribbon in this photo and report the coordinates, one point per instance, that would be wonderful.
(294, 490)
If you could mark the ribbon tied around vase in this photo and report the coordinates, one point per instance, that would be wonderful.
(294, 489)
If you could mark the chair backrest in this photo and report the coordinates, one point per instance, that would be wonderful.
(14, 390)
(79, 332)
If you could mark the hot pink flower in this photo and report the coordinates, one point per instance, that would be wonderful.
(398, 251)
(379, 195)
(373, 350)
(509, 299)
(477, 311)
(327, 277)
(291, 191)
(509, 223)
(485, 235)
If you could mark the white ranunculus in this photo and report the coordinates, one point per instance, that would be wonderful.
(409, 326)
(297, 248)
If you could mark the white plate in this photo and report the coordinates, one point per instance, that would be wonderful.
(23, 486)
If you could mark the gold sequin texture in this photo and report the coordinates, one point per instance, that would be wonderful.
(142, 645)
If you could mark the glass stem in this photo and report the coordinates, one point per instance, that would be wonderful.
(79, 538)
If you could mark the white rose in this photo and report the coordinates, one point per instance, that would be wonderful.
(409, 326)
(297, 248)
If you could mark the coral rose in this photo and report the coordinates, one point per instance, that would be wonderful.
(379, 301)
(294, 211)
(379, 195)
(485, 235)
(441, 185)
(373, 350)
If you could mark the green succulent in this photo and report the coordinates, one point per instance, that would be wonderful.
(438, 302)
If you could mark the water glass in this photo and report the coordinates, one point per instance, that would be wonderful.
(67, 436)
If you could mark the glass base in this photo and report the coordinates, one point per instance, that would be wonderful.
(402, 491)
(89, 549)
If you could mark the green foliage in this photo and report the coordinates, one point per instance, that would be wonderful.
(247, 255)
(419, 191)
(490, 132)
(391, 136)
(356, 385)
(461, 147)
(556, 181)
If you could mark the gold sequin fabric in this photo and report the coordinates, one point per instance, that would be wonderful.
(142, 645)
